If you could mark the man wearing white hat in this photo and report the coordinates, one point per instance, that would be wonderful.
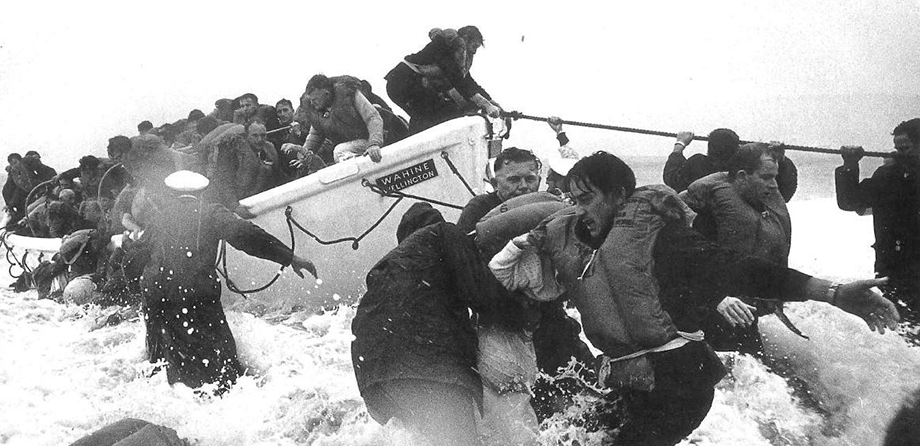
(185, 321)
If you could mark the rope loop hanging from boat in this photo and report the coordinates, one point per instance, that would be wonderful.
(355, 241)
(456, 172)
(221, 267)
(519, 115)
(15, 261)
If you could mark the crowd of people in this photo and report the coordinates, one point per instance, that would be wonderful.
(458, 317)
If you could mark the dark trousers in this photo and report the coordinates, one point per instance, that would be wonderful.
(425, 106)
(444, 413)
(684, 388)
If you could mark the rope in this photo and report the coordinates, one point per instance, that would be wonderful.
(519, 115)
(222, 259)
(279, 129)
(15, 262)
(456, 172)
(397, 194)
(355, 240)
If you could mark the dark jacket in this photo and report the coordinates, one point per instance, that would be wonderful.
(679, 172)
(414, 321)
(440, 52)
(185, 321)
(477, 208)
(893, 193)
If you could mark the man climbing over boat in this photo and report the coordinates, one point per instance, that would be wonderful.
(637, 271)
(750, 217)
(336, 110)
(435, 85)
(893, 194)
(185, 320)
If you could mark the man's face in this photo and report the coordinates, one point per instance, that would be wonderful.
(594, 208)
(472, 45)
(285, 114)
(318, 99)
(257, 136)
(905, 147)
(515, 179)
(248, 106)
(757, 186)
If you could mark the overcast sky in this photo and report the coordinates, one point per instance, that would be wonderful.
(73, 74)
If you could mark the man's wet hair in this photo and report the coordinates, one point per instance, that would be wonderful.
(749, 158)
(255, 99)
(33, 153)
(13, 156)
(144, 126)
(606, 172)
(286, 102)
(89, 162)
(471, 31)
(118, 145)
(319, 81)
(911, 128)
(723, 143)
(515, 155)
(195, 115)
(207, 124)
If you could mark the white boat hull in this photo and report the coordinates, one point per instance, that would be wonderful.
(334, 204)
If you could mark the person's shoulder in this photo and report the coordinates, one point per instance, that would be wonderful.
(484, 199)
(698, 158)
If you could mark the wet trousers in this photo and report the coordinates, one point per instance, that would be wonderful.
(445, 414)
(425, 106)
(684, 388)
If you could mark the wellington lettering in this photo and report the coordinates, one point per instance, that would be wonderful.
(409, 176)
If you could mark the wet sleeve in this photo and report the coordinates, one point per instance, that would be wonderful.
(473, 211)
(472, 278)
(371, 118)
(563, 139)
(525, 269)
(852, 195)
(787, 178)
(671, 170)
(70, 174)
(707, 272)
(248, 237)
(468, 87)
(314, 139)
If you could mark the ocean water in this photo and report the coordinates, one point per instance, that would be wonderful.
(64, 375)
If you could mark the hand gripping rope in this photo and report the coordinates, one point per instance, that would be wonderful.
(519, 115)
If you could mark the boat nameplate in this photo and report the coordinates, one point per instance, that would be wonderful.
(408, 176)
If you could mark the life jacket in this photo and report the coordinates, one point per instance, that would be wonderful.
(342, 122)
(512, 218)
(740, 227)
(613, 286)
